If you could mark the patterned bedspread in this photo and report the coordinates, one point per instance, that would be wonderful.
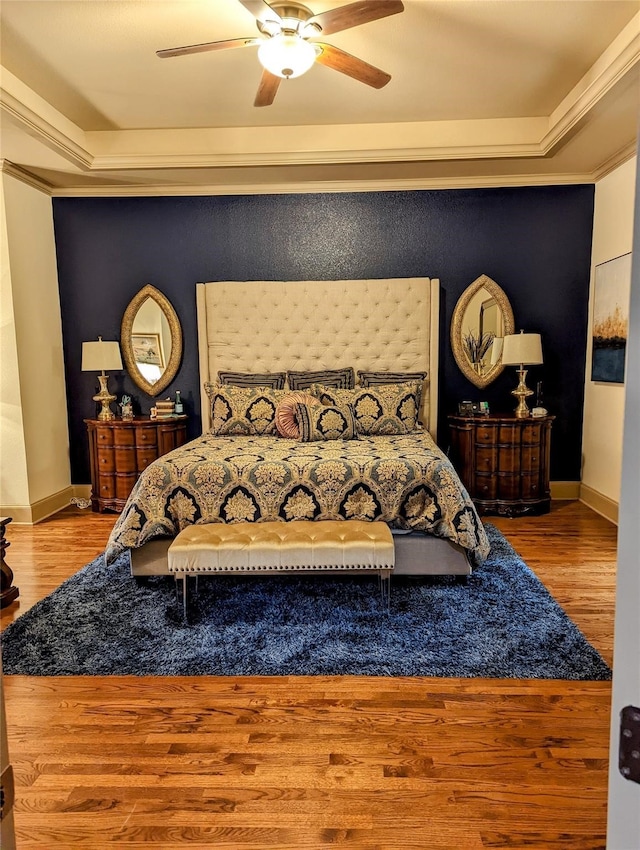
(405, 481)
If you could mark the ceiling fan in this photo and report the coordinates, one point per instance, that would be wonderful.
(285, 48)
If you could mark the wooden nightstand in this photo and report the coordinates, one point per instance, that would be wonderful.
(503, 462)
(119, 450)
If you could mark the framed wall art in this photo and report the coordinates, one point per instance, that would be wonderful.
(612, 291)
(147, 349)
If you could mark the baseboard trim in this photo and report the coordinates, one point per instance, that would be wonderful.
(562, 491)
(599, 503)
(43, 508)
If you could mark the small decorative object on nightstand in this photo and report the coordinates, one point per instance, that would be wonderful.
(522, 350)
(120, 449)
(126, 408)
(503, 461)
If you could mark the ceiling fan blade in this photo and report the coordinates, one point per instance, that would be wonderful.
(207, 46)
(261, 11)
(360, 70)
(267, 89)
(355, 14)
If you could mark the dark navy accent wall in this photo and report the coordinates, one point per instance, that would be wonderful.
(534, 242)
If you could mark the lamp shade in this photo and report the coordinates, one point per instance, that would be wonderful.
(522, 349)
(99, 355)
(287, 55)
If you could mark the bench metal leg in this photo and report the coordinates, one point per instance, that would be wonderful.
(384, 582)
(181, 579)
(185, 588)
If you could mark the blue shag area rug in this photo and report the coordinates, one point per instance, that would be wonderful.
(502, 623)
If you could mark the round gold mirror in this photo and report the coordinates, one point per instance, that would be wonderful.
(151, 340)
(481, 319)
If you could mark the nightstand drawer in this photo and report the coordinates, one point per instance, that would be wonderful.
(125, 457)
(530, 486)
(509, 486)
(104, 436)
(486, 458)
(531, 434)
(106, 461)
(145, 456)
(486, 434)
(530, 459)
(123, 437)
(486, 487)
(146, 437)
(124, 484)
(106, 486)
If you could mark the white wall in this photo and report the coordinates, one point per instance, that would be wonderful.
(34, 376)
(604, 403)
(14, 485)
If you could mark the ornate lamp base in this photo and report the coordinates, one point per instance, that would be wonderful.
(105, 398)
(522, 392)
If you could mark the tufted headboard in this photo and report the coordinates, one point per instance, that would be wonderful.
(270, 326)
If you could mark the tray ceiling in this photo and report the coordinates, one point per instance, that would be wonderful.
(483, 92)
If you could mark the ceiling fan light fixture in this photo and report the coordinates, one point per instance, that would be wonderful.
(287, 55)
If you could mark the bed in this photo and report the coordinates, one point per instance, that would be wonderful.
(369, 327)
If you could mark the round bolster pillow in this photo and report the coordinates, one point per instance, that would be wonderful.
(286, 422)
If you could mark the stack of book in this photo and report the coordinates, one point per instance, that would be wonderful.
(165, 409)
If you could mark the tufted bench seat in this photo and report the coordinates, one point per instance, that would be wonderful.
(243, 548)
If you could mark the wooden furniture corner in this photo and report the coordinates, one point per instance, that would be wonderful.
(8, 591)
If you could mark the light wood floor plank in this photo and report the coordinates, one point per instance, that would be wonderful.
(298, 763)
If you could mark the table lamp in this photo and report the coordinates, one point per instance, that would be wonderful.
(96, 357)
(522, 350)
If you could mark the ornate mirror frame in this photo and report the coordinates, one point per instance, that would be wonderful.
(464, 364)
(126, 345)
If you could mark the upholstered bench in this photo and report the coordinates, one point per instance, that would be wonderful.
(264, 548)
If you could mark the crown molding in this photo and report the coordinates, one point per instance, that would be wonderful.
(314, 144)
(323, 186)
(25, 176)
(611, 67)
(40, 120)
(619, 158)
(337, 157)
(318, 186)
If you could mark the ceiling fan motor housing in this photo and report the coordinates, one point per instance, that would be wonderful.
(293, 18)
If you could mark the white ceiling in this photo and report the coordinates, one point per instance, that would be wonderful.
(482, 92)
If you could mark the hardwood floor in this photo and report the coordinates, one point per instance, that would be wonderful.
(299, 763)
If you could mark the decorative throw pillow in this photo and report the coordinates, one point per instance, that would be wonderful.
(286, 413)
(387, 409)
(247, 411)
(325, 422)
(275, 380)
(372, 379)
(344, 378)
